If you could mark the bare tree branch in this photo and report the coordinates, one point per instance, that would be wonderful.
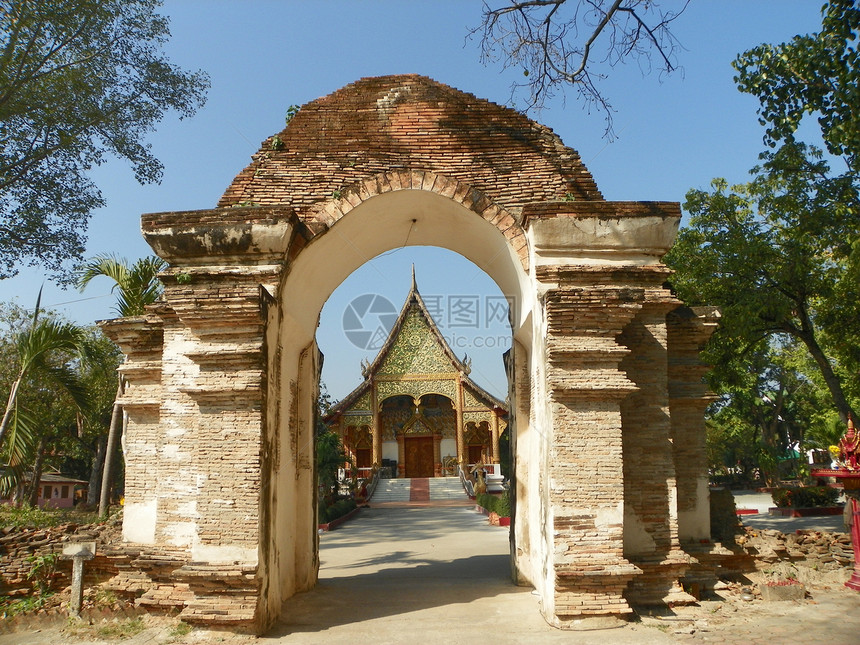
(558, 44)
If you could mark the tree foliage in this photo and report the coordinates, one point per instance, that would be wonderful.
(561, 43)
(80, 80)
(813, 74)
(69, 429)
(330, 458)
(773, 255)
(780, 255)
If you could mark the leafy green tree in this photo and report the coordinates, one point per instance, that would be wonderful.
(763, 414)
(35, 348)
(80, 80)
(84, 450)
(811, 75)
(781, 254)
(331, 457)
(774, 255)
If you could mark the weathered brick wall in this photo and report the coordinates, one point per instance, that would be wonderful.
(586, 388)
(688, 331)
(650, 508)
(376, 125)
(18, 546)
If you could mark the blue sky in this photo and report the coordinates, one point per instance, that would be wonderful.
(675, 133)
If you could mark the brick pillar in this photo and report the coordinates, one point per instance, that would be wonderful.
(586, 478)
(650, 506)
(213, 374)
(141, 339)
(689, 329)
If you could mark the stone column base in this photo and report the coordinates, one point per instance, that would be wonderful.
(659, 585)
(592, 597)
(163, 579)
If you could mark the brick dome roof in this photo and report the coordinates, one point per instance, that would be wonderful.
(386, 123)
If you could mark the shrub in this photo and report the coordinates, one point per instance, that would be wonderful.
(338, 509)
(503, 504)
(805, 497)
(500, 505)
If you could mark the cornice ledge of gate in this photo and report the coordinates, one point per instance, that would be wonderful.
(248, 235)
(601, 232)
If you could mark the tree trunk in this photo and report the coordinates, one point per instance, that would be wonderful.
(96, 472)
(834, 385)
(10, 406)
(110, 451)
(36, 483)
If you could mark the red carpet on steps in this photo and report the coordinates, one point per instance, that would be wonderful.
(419, 489)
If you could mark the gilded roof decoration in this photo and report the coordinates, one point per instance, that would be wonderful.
(469, 400)
(415, 349)
(363, 402)
(358, 420)
(416, 388)
(478, 416)
(418, 427)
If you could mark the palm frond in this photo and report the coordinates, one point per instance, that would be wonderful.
(136, 286)
(46, 337)
(107, 265)
(71, 382)
(17, 455)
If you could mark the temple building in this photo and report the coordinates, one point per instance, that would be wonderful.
(418, 411)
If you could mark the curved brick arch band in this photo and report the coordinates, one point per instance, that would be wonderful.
(460, 192)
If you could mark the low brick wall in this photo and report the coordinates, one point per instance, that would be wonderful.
(156, 579)
(19, 545)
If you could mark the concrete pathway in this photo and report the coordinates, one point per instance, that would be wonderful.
(763, 501)
(425, 575)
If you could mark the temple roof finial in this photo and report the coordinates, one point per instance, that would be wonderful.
(414, 283)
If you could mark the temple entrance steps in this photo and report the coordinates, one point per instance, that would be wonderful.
(446, 488)
(392, 490)
(403, 490)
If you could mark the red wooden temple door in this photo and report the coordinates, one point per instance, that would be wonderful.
(418, 452)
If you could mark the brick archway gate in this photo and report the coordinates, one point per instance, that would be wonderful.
(606, 394)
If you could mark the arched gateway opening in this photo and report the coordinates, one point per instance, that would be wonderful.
(605, 397)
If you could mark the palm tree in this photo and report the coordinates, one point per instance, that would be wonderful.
(36, 349)
(136, 287)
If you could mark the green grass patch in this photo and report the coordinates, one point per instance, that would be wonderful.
(11, 607)
(181, 629)
(121, 629)
(28, 517)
